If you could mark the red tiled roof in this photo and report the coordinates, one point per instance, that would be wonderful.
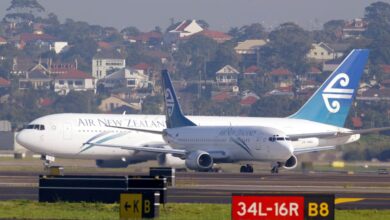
(280, 72)
(27, 37)
(252, 69)
(314, 69)
(144, 37)
(3, 40)
(46, 102)
(104, 45)
(357, 122)
(141, 66)
(386, 68)
(249, 100)
(222, 96)
(216, 35)
(75, 74)
(285, 89)
(4, 82)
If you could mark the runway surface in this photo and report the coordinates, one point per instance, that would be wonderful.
(356, 191)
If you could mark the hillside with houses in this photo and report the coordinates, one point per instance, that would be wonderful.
(48, 66)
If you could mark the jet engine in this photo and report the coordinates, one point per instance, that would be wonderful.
(291, 163)
(199, 160)
(167, 160)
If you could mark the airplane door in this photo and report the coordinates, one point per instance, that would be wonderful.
(67, 131)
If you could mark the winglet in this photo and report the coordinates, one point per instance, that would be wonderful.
(173, 114)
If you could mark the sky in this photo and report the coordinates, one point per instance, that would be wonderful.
(220, 14)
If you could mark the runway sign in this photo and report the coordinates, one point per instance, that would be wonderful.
(138, 205)
(282, 206)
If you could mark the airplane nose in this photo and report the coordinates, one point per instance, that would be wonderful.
(21, 138)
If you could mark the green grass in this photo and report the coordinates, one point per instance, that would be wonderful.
(33, 210)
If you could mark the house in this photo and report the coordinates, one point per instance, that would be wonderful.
(21, 65)
(35, 79)
(3, 41)
(249, 99)
(4, 85)
(354, 28)
(186, 28)
(37, 39)
(151, 38)
(281, 77)
(126, 77)
(218, 36)
(251, 72)
(111, 103)
(142, 68)
(59, 46)
(375, 94)
(250, 46)
(106, 61)
(74, 80)
(320, 52)
(330, 66)
(227, 75)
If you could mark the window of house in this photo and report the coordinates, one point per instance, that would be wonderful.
(61, 82)
(70, 82)
(131, 82)
(78, 83)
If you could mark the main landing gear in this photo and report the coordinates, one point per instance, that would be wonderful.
(275, 167)
(246, 169)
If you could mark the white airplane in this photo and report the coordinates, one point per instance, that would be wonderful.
(200, 141)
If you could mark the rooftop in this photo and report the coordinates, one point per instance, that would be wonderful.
(75, 74)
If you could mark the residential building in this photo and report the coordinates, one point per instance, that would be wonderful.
(354, 28)
(3, 41)
(74, 80)
(249, 46)
(4, 85)
(227, 75)
(58, 46)
(185, 29)
(111, 103)
(251, 72)
(218, 36)
(321, 52)
(37, 39)
(281, 77)
(35, 79)
(126, 77)
(106, 61)
(249, 99)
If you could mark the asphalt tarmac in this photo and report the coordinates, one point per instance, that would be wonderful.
(352, 191)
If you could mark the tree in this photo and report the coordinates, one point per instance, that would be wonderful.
(378, 17)
(288, 47)
(130, 31)
(253, 31)
(193, 55)
(23, 10)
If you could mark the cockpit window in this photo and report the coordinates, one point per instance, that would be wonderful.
(36, 127)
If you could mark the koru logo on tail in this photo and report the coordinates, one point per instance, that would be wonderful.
(170, 103)
(331, 93)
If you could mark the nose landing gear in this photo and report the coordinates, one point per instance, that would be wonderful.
(246, 169)
(48, 160)
(275, 167)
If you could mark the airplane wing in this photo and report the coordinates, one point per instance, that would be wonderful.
(337, 133)
(302, 150)
(145, 148)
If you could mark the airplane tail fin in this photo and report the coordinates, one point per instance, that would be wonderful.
(173, 114)
(330, 104)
